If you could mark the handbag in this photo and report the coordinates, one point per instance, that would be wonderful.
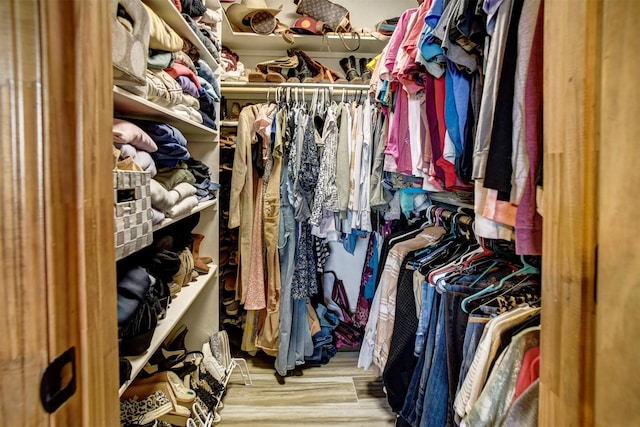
(334, 16)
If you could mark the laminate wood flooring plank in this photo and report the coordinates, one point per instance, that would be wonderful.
(337, 394)
(367, 388)
(297, 391)
(374, 413)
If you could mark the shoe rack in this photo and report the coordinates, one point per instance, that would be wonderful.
(196, 305)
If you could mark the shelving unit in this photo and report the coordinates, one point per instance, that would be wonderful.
(229, 123)
(168, 221)
(130, 105)
(330, 42)
(196, 305)
(178, 307)
(166, 10)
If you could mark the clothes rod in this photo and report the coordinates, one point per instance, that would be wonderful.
(307, 87)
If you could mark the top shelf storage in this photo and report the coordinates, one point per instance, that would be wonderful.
(235, 40)
(166, 10)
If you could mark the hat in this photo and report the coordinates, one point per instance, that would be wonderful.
(307, 25)
(253, 16)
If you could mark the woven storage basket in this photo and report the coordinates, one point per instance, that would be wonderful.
(132, 209)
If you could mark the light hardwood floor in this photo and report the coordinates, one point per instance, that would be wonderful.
(337, 394)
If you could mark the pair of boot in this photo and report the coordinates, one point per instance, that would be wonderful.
(350, 66)
(311, 71)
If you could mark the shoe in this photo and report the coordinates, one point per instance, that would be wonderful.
(334, 76)
(199, 263)
(184, 395)
(183, 276)
(228, 280)
(235, 111)
(255, 77)
(348, 65)
(309, 70)
(219, 343)
(233, 257)
(177, 414)
(274, 68)
(232, 308)
(212, 365)
(145, 410)
(365, 74)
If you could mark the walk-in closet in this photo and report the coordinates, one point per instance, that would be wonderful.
(314, 212)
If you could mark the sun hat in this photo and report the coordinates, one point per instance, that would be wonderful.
(253, 16)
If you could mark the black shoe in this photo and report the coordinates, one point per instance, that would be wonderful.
(364, 71)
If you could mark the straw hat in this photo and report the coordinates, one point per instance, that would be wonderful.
(253, 16)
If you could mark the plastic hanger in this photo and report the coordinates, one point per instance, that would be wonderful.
(526, 269)
(506, 291)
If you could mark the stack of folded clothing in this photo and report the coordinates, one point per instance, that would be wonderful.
(172, 192)
(205, 188)
(134, 143)
(234, 69)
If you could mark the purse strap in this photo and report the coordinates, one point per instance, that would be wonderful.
(354, 35)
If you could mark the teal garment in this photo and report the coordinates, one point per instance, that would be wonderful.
(407, 199)
(159, 59)
(170, 177)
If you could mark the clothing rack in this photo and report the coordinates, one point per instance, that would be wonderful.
(233, 88)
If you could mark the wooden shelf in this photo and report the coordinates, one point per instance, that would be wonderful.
(235, 40)
(177, 308)
(166, 10)
(129, 105)
(168, 221)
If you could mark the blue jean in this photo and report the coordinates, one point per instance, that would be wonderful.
(301, 344)
(428, 295)
(414, 401)
(434, 411)
(455, 327)
(286, 251)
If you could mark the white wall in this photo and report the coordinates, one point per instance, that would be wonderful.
(348, 267)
